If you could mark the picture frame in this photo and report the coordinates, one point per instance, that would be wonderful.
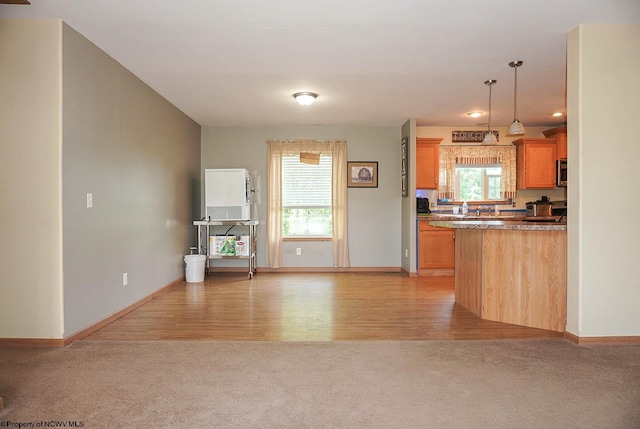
(362, 174)
(404, 152)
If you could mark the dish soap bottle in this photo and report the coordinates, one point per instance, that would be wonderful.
(465, 209)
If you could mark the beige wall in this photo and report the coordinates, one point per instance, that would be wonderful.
(30, 175)
(77, 122)
(408, 249)
(374, 213)
(603, 151)
(139, 156)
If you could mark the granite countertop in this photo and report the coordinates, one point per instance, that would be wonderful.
(513, 221)
(517, 225)
(459, 217)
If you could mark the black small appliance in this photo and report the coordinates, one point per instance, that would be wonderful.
(423, 205)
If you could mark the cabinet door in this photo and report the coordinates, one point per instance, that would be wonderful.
(560, 134)
(436, 247)
(427, 163)
(536, 163)
(562, 145)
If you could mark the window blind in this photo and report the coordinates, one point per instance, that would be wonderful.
(306, 185)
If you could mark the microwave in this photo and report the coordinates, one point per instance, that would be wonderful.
(561, 172)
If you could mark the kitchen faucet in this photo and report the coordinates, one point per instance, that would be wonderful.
(482, 208)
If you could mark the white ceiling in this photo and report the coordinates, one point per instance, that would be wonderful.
(372, 62)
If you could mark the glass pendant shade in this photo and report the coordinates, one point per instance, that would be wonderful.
(516, 128)
(489, 137)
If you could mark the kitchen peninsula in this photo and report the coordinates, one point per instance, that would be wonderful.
(511, 271)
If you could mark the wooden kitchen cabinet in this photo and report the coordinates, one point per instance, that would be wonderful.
(536, 163)
(560, 134)
(436, 250)
(427, 162)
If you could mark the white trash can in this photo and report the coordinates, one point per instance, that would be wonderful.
(194, 268)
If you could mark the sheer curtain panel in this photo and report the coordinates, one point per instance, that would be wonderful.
(337, 149)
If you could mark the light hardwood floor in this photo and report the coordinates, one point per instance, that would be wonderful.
(310, 307)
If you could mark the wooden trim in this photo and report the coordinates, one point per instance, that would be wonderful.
(430, 140)
(309, 238)
(32, 342)
(406, 273)
(104, 322)
(436, 272)
(550, 133)
(41, 342)
(602, 341)
(329, 270)
(570, 337)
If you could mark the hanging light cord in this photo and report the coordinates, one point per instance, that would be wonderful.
(490, 83)
(515, 94)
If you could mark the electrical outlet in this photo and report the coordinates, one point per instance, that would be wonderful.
(298, 251)
(89, 200)
(125, 280)
(432, 204)
(406, 253)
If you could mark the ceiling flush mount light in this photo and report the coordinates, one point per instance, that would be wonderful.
(305, 98)
(490, 138)
(556, 114)
(516, 128)
(475, 114)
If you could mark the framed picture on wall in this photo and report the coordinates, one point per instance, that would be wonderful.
(362, 174)
(405, 167)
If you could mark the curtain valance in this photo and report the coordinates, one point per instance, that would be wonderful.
(451, 155)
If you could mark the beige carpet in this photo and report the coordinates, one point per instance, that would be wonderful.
(385, 384)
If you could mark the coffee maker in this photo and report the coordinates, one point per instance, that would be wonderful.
(422, 205)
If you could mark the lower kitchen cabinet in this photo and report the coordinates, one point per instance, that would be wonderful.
(436, 250)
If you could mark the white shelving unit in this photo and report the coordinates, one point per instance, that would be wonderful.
(203, 240)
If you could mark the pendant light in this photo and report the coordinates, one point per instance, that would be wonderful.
(489, 138)
(516, 128)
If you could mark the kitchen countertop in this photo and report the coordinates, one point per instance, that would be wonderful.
(505, 222)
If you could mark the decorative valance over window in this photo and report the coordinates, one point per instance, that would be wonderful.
(451, 155)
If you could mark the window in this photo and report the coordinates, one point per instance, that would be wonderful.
(477, 182)
(490, 168)
(306, 197)
(316, 204)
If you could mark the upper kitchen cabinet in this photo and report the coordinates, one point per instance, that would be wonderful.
(427, 162)
(560, 134)
(536, 163)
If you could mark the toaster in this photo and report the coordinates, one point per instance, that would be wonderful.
(539, 209)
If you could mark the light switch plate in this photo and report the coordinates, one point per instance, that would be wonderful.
(89, 200)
